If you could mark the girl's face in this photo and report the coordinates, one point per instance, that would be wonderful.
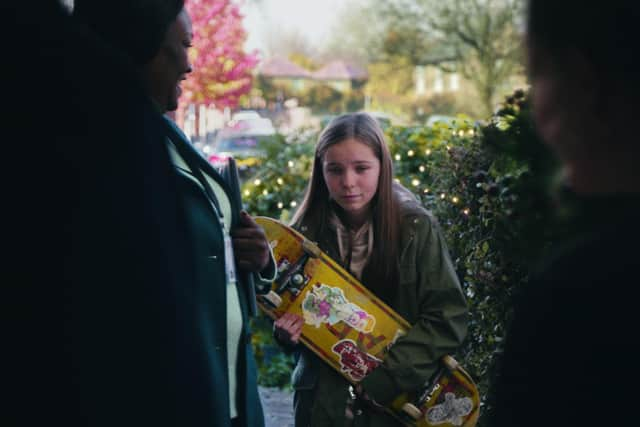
(351, 170)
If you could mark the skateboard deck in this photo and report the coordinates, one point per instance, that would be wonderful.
(351, 329)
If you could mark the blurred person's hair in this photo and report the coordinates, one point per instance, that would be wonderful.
(606, 33)
(135, 27)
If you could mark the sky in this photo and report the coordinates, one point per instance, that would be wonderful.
(313, 18)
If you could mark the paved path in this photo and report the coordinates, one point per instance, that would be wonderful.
(278, 407)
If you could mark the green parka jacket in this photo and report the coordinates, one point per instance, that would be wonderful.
(429, 297)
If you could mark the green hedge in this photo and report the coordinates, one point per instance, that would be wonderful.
(491, 186)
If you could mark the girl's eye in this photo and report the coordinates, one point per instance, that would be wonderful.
(362, 169)
(334, 171)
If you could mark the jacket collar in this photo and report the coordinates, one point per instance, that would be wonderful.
(207, 170)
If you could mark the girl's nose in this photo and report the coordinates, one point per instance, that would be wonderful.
(348, 180)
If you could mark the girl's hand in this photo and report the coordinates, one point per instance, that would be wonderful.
(288, 328)
(361, 394)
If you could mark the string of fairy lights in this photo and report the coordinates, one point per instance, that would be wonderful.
(265, 191)
(416, 183)
(261, 187)
(268, 186)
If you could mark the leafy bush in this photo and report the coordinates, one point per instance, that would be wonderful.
(442, 104)
(279, 183)
(492, 187)
(324, 98)
(274, 366)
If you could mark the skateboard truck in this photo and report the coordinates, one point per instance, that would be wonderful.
(412, 409)
(292, 278)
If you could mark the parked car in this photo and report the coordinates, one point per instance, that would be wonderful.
(254, 126)
(244, 146)
(245, 115)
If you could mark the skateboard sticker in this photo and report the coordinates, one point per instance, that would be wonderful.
(326, 304)
(452, 410)
(356, 363)
(399, 333)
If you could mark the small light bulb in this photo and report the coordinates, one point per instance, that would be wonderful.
(257, 182)
(410, 153)
(415, 182)
(294, 204)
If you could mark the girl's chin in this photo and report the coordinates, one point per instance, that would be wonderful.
(355, 211)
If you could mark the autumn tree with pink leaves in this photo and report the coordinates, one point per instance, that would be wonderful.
(221, 68)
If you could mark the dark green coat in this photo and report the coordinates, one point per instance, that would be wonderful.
(429, 297)
(205, 318)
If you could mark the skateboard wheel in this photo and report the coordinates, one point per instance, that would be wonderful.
(311, 248)
(273, 299)
(412, 411)
(297, 279)
(450, 363)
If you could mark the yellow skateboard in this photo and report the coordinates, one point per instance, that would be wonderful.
(351, 329)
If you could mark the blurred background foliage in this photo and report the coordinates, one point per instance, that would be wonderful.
(495, 189)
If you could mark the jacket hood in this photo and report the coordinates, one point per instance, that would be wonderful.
(407, 201)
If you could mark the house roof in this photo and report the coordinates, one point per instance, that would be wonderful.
(281, 67)
(340, 70)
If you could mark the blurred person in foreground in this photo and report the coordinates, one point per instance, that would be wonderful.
(93, 248)
(570, 354)
(217, 367)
